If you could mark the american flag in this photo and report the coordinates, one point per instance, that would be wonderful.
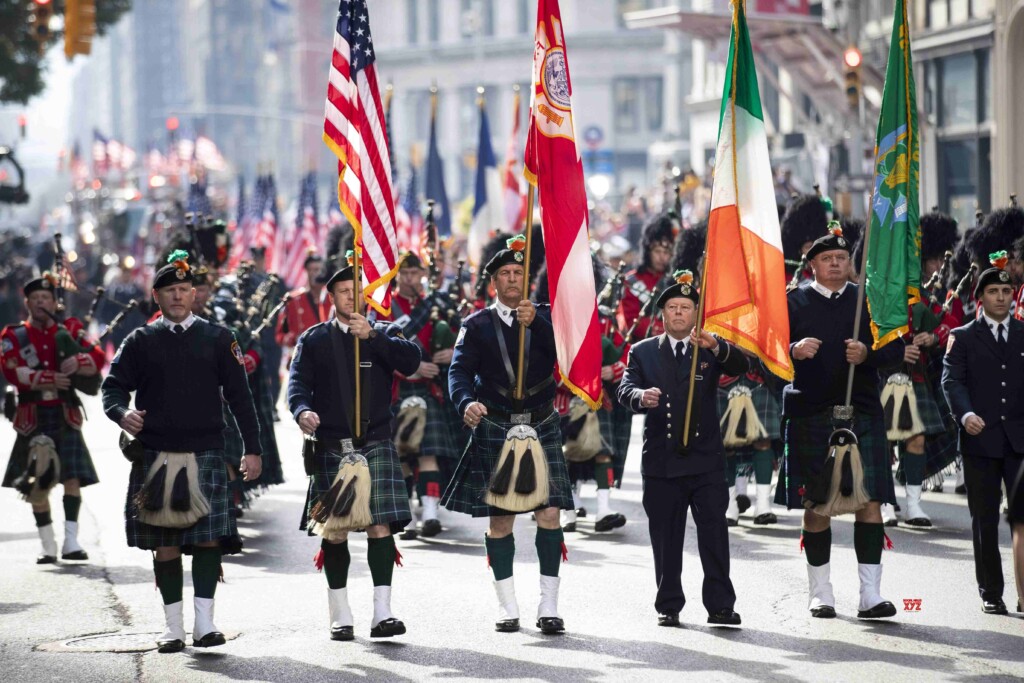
(354, 129)
(306, 238)
(410, 216)
(515, 198)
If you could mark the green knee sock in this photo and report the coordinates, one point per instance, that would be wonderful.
(500, 554)
(429, 484)
(549, 550)
(867, 542)
(43, 518)
(169, 579)
(380, 555)
(764, 463)
(205, 571)
(818, 546)
(72, 504)
(604, 474)
(913, 467)
(336, 562)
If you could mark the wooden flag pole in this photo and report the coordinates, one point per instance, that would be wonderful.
(357, 285)
(697, 328)
(520, 376)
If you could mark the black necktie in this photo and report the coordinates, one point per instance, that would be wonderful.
(835, 295)
(178, 329)
(680, 353)
(1000, 338)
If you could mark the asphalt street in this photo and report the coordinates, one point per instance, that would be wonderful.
(274, 601)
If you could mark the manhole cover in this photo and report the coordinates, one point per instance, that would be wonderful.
(113, 642)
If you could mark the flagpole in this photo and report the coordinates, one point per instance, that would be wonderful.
(520, 378)
(357, 284)
(697, 329)
(862, 281)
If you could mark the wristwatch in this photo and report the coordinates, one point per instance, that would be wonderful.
(373, 333)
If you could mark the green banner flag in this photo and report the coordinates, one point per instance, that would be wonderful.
(894, 248)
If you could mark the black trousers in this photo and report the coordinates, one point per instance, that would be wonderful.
(982, 476)
(667, 502)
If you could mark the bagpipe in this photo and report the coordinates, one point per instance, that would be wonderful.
(68, 344)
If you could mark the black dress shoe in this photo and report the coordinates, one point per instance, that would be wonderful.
(408, 535)
(46, 559)
(211, 639)
(551, 625)
(962, 489)
(892, 522)
(387, 628)
(78, 555)
(342, 633)
(668, 619)
(571, 526)
(919, 521)
(743, 501)
(609, 522)
(766, 518)
(824, 612)
(729, 521)
(431, 528)
(724, 617)
(996, 606)
(882, 610)
(1020, 607)
(507, 625)
(581, 512)
(166, 646)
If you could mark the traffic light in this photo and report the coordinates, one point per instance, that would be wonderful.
(39, 17)
(79, 27)
(22, 124)
(852, 61)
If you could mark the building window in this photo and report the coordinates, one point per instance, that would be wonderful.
(964, 183)
(626, 94)
(476, 18)
(959, 104)
(412, 21)
(653, 103)
(434, 21)
(523, 15)
(938, 13)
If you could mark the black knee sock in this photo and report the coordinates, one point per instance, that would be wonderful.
(380, 555)
(867, 542)
(72, 504)
(549, 550)
(913, 467)
(604, 474)
(169, 579)
(818, 546)
(501, 553)
(336, 562)
(43, 518)
(205, 571)
(764, 464)
(429, 484)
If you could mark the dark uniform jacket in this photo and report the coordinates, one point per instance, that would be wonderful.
(315, 380)
(480, 373)
(978, 377)
(177, 380)
(653, 364)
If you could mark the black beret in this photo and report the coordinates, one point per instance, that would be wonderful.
(996, 275)
(410, 260)
(832, 241)
(43, 283)
(257, 251)
(683, 287)
(201, 276)
(177, 270)
(514, 254)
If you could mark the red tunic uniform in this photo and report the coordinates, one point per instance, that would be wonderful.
(300, 313)
(639, 284)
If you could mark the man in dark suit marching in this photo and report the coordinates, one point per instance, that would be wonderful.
(656, 383)
(983, 379)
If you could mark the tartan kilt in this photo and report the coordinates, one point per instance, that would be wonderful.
(807, 448)
(766, 403)
(213, 482)
(738, 463)
(616, 426)
(437, 435)
(389, 503)
(75, 461)
(273, 472)
(233, 445)
(931, 408)
(940, 451)
(465, 492)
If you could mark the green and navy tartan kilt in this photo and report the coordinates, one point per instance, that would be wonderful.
(764, 400)
(233, 445)
(738, 463)
(616, 425)
(940, 451)
(930, 409)
(213, 482)
(466, 491)
(437, 439)
(273, 472)
(75, 461)
(389, 503)
(807, 448)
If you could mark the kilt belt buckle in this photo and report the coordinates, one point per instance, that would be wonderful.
(48, 395)
(346, 447)
(520, 418)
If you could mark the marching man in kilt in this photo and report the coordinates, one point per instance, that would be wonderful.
(821, 318)
(353, 484)
(42, 360)
(423, 428)
(178, 365)
(482, 381)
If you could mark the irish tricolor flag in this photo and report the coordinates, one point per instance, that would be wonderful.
(745, 278)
